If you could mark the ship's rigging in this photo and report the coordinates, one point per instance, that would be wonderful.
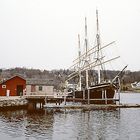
(90, 59)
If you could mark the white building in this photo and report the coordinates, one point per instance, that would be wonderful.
(39, 88)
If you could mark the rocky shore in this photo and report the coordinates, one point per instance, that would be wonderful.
(12, 102)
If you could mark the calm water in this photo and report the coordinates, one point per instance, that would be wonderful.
(119, 124)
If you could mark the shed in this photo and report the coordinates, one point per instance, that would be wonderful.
(39, 87)
(14, 86)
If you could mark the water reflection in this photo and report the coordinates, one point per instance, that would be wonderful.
(39, 124)
(85, 125)
(57, 124)
(24, 124)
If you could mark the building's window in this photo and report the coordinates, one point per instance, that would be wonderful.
(32, 88)
(3, 86)
(40, 88)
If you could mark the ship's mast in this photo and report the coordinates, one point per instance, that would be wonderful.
(86, 55)
(86, 41)
(98, 48)
(79, 67)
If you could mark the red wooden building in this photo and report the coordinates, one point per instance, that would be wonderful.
(14, 86)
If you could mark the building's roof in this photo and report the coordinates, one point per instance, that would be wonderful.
(5, 80)
(31, 81)
(39, 82)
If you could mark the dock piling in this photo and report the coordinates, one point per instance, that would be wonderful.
(88, 96)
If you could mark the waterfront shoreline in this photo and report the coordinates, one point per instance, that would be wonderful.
(16, 102)
(12, 102)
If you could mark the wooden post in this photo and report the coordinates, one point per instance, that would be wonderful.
(83, 94)
(31, 106)
(41, 105)
(119, 89)
(119, 96)
(115, 97)
(74, 95)
(46, 99)
(64, 99)
(88, 96)
(105, 98)
(102, 94)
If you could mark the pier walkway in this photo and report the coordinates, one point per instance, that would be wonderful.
(60, 99)
(62, 102)
(56, 102)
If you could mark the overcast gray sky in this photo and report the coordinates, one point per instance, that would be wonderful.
(43, 33)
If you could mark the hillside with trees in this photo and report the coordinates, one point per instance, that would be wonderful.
(58, 77)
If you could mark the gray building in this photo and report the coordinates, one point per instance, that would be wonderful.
(39, 87)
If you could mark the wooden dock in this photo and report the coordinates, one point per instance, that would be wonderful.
(57, 102)
(93, 106)
(37, 101)
(60, 99)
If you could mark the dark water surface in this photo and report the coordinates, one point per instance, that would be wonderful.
(119, 124)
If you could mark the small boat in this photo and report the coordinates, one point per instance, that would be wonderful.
(100, 90)
(135, 85)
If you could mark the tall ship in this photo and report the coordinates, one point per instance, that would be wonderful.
(88, 81)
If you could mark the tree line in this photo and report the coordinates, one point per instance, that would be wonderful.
(57, 77)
